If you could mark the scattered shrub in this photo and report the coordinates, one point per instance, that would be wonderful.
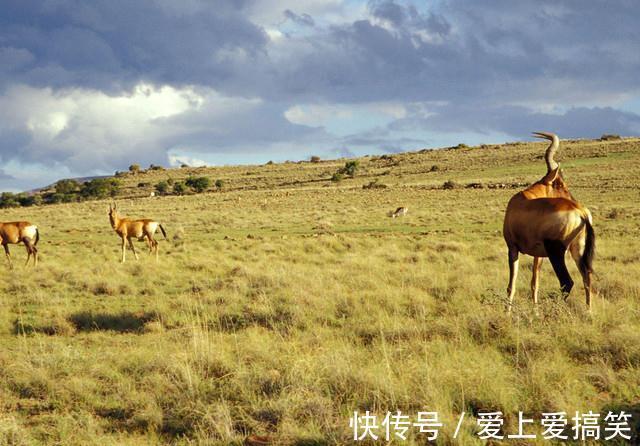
(8, 200)
(610, 137)
(134, 168)
(374, 185)
(154, 167)
(315, 159)
(449, 184)
(162, 187)
(434, 168)
(198, 184)
(67, 187)
(179, 188)
(337, 177)
(219, 184)
(100, 188)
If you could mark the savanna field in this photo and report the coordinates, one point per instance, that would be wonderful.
(286, 301)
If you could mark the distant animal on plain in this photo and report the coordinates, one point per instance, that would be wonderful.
(128, 229)
(545, 220)
(400, 212)
(20, 231)
(152, 194)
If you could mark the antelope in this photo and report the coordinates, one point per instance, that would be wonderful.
(128, 229)
(20, 231)
(400, 212)
(545, 220)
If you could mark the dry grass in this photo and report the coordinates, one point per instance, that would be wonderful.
(279, 311)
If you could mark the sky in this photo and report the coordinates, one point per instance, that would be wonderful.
(90, 87)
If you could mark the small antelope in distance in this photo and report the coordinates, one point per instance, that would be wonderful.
(545, 220)
(128, 229)
(400, 212)
(20, 231)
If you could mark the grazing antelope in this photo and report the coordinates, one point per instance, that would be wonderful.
(400, 212)
(545, 220)
(128, 229)
(20, 231)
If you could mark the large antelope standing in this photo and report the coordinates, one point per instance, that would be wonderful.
(545, 220)
(128, 229)
(20, 231)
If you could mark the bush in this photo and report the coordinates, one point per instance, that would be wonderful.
(219, 184)
(610, 137)
(134, 168)
(374, 185)
(67, 187)
(28, 200)
(179, 188)
(315, 159)
(100, 188)
(350, 168)
(337, 177)
(449, 184)
(8, 200)
(141, 184)
(434, 168)
(154, 167)
(198, 184)
(162, 187)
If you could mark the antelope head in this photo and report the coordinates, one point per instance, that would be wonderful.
(553, 182)
(113, 214)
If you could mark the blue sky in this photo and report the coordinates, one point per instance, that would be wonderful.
(87, 88)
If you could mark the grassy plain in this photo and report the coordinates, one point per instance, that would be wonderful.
(285, 302)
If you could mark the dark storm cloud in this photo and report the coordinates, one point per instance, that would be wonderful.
(114, 44)
(300, 19)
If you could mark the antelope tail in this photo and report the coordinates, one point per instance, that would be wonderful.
(586, 261)
(163, 231)
(37, 237)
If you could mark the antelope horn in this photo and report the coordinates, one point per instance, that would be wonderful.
(551, 150)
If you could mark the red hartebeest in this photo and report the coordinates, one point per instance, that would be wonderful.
(545, 220)
(128, 229)
(20, 231)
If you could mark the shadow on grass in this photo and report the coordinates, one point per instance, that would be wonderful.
(124, 322)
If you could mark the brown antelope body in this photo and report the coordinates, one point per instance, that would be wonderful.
(129, 229)
(20, 232)
(545, 220)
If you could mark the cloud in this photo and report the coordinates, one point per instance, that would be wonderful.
(89, 87)
(577, 122)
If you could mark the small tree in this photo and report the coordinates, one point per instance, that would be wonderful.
(350, 168)
(198, 184)
(100, 188)
(67, 187)
(179, 188)
(8, 200)
(134, 168)
(219, 184)
(315, 159)
(162, 187)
